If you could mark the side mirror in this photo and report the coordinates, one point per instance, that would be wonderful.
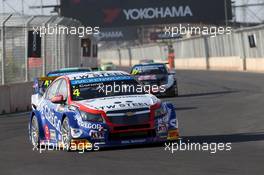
(58, 99)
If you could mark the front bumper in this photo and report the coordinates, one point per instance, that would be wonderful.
(92, 144)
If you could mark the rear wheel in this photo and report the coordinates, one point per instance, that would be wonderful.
(34, 131)
(66, 134)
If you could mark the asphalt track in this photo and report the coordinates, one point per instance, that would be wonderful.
(213, 107)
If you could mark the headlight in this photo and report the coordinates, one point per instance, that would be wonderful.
(91, 117)
(160, 112)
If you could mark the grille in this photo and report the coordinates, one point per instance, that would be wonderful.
(155, 82)
(132, 135)
(120, 128)
(127, 110)
(136, 119)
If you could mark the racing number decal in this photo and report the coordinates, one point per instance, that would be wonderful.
(135, 71)
(47, 83)
(76, 92)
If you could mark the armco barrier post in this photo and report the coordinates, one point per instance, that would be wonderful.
(26, 47)
(243, 56)
(119, 56)
(4, 48)
(44, 41)
(130, 56)
(206, 53)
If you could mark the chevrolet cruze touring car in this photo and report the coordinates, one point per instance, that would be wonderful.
(157, 74)
(102, 109)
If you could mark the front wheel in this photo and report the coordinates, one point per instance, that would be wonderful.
(66, 134)
(34, 131)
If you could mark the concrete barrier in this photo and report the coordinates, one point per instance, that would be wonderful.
(190, 63)
(20, 97)
(226, 63)
(15, 97)
(4, 99)
(214, 63)
(125, 62)
(255, 64)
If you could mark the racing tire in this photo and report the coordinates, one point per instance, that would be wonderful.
(66, 134)
(34, 132)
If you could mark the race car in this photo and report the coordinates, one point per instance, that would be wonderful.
(89, 109)
(40, 84)
(108, 66)
(156, 75)
(146, 61)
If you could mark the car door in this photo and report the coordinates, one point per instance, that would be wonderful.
(52, 122)
(59, 110)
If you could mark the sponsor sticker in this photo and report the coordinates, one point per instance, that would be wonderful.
(52, 134)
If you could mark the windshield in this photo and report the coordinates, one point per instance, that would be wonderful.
(149, 70)
(85, 91)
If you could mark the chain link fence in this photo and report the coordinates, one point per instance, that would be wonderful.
(244, 43)
(58, 50)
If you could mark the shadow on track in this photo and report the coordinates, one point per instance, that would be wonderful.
(207, 94)
(228, 138)
(185, 108)
(233, 138)
(140, 146)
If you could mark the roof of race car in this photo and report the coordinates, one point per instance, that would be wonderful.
(97, 74)
(65, 71)
(150, 64)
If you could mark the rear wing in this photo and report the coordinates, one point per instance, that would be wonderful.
(40, 84)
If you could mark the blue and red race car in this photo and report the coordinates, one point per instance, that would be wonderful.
(89, 109)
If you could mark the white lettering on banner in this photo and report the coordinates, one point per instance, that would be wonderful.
(110, 35)
(152, 13)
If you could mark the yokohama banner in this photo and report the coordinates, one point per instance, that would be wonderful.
(117, 34)
(117, 13)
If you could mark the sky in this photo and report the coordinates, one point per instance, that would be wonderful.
(253, 14)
